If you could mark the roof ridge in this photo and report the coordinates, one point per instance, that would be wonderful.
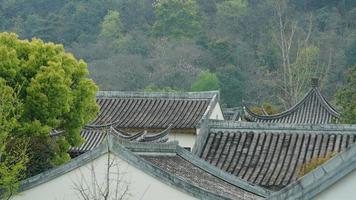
(202, 164)
(224, 124)
(210, 107)
(168, 95)
(326, 104)
(281, 114)
(313, 96)
(172, 147)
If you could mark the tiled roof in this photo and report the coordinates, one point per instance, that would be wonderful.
(185, 170)
(94, 137)
(152, 110)
(233, 114)
(186, 167)
(321, 178)
(267, 154)
(312, 109)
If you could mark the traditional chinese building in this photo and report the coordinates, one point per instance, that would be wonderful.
(150, 113)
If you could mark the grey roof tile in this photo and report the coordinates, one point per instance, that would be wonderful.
(320, 178)
(94, 137)
(187, 171)
(270, 156)
(151, 110)
(232, 114)
(312, 109)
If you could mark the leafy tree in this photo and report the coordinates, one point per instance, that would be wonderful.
(346, 98)
(176, 19)
(12, 154)
(229, 14)
(12, 167)
(222, 50)
(111, 26)
(135, 42)
(136, 14)
(54, 93)
(232, 8)
(232, 86)
(10, 109)
(206, 81)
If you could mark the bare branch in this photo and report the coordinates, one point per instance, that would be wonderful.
(93, 189)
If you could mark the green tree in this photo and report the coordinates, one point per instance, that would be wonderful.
(229, 14)
(12, 167)
(12, 154)
(111, 26)
(346, 98)
(232, 8)
(232, 86)
(206, 81)
(54, 93)
(176, 19)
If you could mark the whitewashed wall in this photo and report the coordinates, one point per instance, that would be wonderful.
(217, 113)
(188, 139)
(184, 139)
(344, 189)
(141, 185)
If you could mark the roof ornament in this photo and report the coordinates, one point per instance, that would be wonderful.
(143, 136)
(315, 82)
(127, 136)
(158, 137)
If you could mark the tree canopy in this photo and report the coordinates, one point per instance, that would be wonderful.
(176, 19)
(346, 98)
(206, 81)
(52, 91)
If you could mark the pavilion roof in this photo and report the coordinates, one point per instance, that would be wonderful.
(312, 109)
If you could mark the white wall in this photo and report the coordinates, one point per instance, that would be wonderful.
(188, 139)
(141, 185)
(344, 189)
(184, 139)
(217, 112)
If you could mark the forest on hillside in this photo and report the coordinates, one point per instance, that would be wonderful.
(252, 50)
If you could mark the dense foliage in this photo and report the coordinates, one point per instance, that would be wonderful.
(13, 157)
(346, 98)
(206, 81)
(45, 89)
(260, 50)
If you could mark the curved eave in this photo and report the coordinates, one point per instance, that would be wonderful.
(251, 116)
(327, 105)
